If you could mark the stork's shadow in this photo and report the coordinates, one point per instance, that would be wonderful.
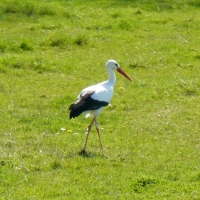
(88, 154)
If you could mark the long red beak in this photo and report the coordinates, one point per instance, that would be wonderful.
(121, 71)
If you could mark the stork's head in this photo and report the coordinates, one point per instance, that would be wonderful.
(112, 64)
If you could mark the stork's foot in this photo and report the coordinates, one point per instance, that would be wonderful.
(83, 152)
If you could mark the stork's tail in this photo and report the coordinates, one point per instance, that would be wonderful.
(75, 110)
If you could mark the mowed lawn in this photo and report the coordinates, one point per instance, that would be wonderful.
(50, 50)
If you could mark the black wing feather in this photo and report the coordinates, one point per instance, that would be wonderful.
(84, 103)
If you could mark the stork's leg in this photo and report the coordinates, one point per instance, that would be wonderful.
(98, 131)
(88, 132)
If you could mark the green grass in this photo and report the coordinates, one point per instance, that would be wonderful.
(50, 50)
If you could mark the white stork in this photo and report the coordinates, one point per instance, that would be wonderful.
(92, 99)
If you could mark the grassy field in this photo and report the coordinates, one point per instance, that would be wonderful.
(50, 50)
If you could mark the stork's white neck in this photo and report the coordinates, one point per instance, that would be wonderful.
(112, 77)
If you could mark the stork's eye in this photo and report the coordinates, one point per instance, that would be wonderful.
(116, 65)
